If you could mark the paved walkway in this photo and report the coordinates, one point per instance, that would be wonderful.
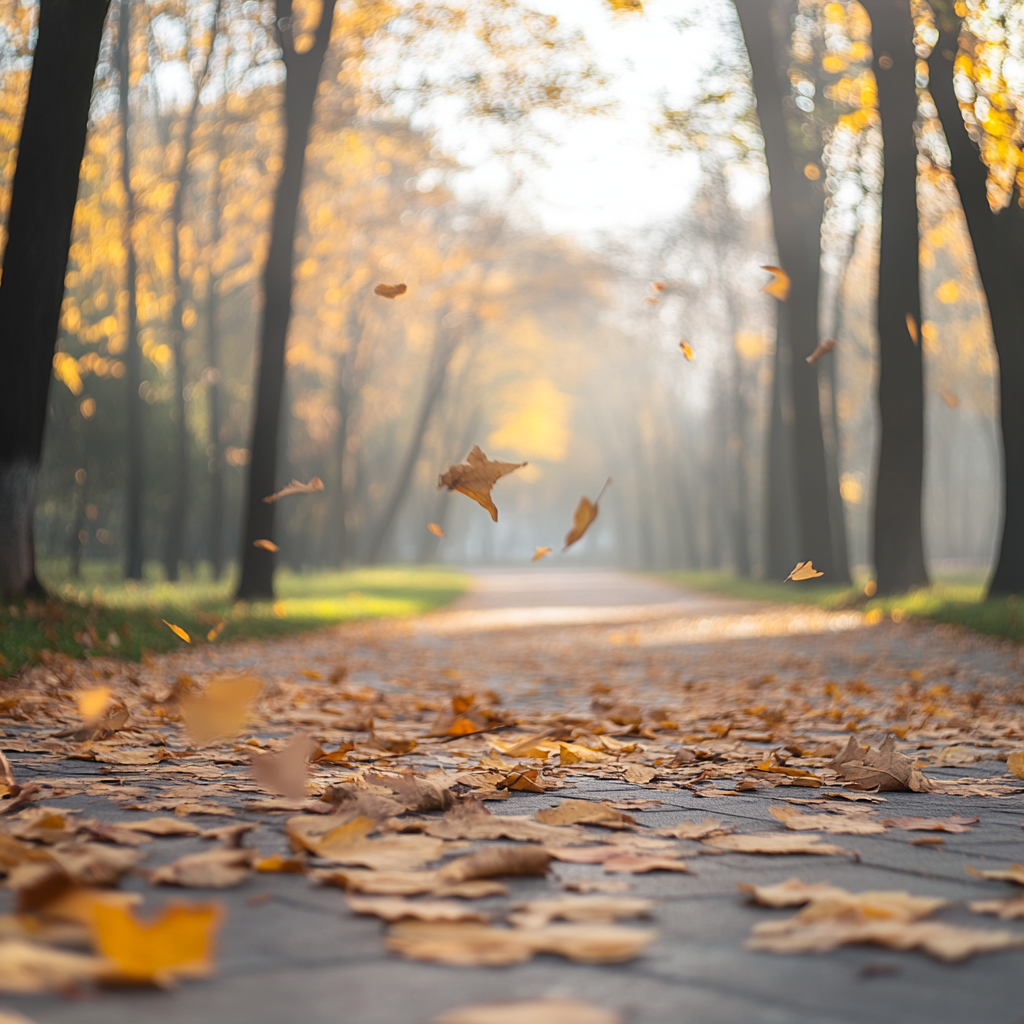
(543, 638)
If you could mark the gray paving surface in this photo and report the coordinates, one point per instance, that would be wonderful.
(303, 957)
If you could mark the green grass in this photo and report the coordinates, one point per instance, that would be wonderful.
(102, 615)
(955, 598)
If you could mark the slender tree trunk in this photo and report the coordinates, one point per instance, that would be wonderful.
(998, 239)
(782, 550)
(797, 206)
(216, 461)
(737, 451)
(134, 543)
(898, 544)
(303, 75)
(43, 197)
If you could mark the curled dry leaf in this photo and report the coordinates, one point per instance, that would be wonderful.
(803, 571)
(163, 827)
(585, 812)
(26, 967)
(349, 843)
(493, 861)
(778, 286)
(687, 349)
(267, 545)
(178, 943)
(177, 631)
(1014, 873)
(285, 772)
(791, 893)
(641, 864)
(912, 327)
(296, 487)
(476, 476)
(390, 291)
(214, 869)
(708, 828)
(838, 824)
(435, 530)
(951, 824)
(222, 709)
(585, 514)
(773, 843)
(537, 913)
(884, 769)
(540, 553)
(1005, 910)
(535, 1011)
(395, 908)
(1015, 763)
(475, 945)
(406, 883)
(823, 349)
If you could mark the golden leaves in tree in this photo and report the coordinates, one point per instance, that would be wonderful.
(540, 553)
(803, 571)
(296, 487)
(177, 631)
(267, 545)
(687, 349)
(585, 514)
(476, 476)
(390, 291)
(435, 530)
(823, 349)
(778, 287)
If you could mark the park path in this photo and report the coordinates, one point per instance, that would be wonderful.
(546, 639)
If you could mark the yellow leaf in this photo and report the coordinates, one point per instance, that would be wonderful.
(92, 703)
(267, 545)
(912, 327)
(179, 943)
(177, 631)
(435, 530)
(1015, 763)
(803, 571)
(585, 514)
(687, 350)
(779, 285)
(540, 553)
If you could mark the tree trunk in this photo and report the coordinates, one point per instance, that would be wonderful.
(302, 77)
(998, 239)
(42, 208)
(178, 517)
(898, 545)
(736, 441)
(134, 543)
(797, 206)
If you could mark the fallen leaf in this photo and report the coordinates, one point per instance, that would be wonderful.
(585, 514)
(640, 864)
(589, 885)
(476, 476)
(778, 287)
(689, 830)
(838, 824)
(823, 349)
(1015, 763)
(177, 943)
(951, 824)
(791, 893)
(26, 967)
(296, 487)
(267, 545)
(163, 827)
(639, 774)
(395, 908)
(285, 772)
(537, 913)
(406, 883)
(884, 769)
(8, 787)
(540, 553)
(803, 571)
(435, 530)
(533, 1011)
(349, 843)
(278, 865)
(494, 861)
(1014, 873)
(585, 812)
(214, 869)
(687, 349)
(1005, 910)
(773, 843)
(476, 945)
(390, 291)
(912, 327)
(222, 709)
(498, 826)
(177, 631)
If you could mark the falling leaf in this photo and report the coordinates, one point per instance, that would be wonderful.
(912, 327)
(267, 545)
(93, 702)
(885, 769)
(585, 812)
(476, 945)
(285, 772)
(216, 631)
(803, 571)
(26, 967)
(222, 709)
(1014, 873)
(390, 291)
(687, 349)
(540, 553)
(215, 869)
(773, 843)
(476, 476)
(296, 487)
(534, 1011)
(823, 349)
(779, 284)
(951, 824)
(844, 824)
(585, 514)
(435, 530)
(177, 631)
(537, 913)
(951, 399)
(177, 943)
(396, 908)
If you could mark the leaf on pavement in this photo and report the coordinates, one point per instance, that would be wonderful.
(1005, 910)
(390, 291)
(537, 913)
(803, 571)
(163, 827)
(349, 843)
(690, 830)
(641, 864)
(406, 883)
(178, 943)
(791, 893)
(838, 824)
(26, 967)
(534, 1011)
(395, 908)
(177, 631)
(773, 843)
(499, 826)
(222, 709)
(8, 787)
(476, 476)
(1015, 763)
(1014, 873)
(778, 286)
(214, 869)
(950, 824)
(585, 812)
(494, 861)
(477, 945)
(285, 771)
(296, 487)
(585, 514)
(884, 769)
(823, 349)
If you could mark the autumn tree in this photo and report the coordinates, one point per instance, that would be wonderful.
(35, 259)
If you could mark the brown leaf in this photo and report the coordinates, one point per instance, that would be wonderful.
(390, 291)
(163, 827)
(296, 487)
(395, 908)
(585, 514)
(1014, 873)
(790, 893)
(472, 945)
(1015, 763)
(1005, 910)
(537, 913)
(540, 553)
(285, 772)
(885, 769)
(640, 864)
(406, 883)
(414, 793)
(222, 709)
(533, 1011)
(823, 349)
(215, 869)
(838, 824)
(585, 812)
(773, 843)
(912, 327)
(8, 787)
(494, 861)
(689, 830)
(26, 967)
(348, 843)
(951, 824)
(476, 476)
(497, 826)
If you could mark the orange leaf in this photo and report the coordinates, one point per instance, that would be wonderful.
(585, 514)
(476, 476)
(177, 631)
(912, 327)
(296, 487)
(435, 530)
(687, 350)
(779, 285)
(267, 545)
(540, 553)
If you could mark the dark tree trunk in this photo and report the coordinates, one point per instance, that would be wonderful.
(737, 457)
(998, 239)
(898, 545)
(178, 518)
(43, 197)
(134, 544)
(797, 205)
(303, 75)
(781, 545)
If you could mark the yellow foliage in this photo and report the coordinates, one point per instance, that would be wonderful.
(533, 421)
